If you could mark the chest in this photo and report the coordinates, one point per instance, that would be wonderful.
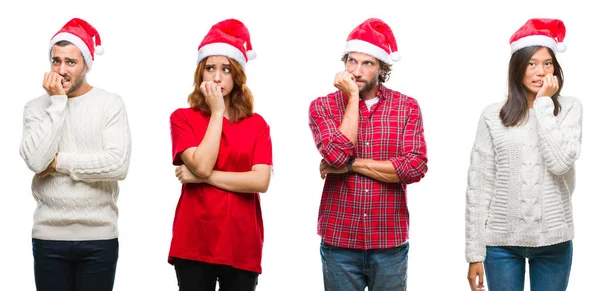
(82, 129)
(236, 145)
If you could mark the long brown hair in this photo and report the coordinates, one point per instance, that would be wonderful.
(241, 100)
(515, 111)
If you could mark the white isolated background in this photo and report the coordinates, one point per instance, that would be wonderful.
(454, 62)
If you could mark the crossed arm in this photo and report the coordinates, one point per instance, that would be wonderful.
(407, 167)
(42, 131)
(199, 162)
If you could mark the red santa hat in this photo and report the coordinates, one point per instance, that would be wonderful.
(228, 38)
(374, 37)
(540, 31)
(82, 35)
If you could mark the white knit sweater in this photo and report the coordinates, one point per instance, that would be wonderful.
(91, 135)
(521, 178)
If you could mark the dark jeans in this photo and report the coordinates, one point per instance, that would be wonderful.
(75, 265)
(201, 276)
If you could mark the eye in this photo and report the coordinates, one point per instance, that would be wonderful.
(548, 64)
(55, 62)
(531, 64)
(351, 61)
(209, 68)
(71, 63)
(226, 70)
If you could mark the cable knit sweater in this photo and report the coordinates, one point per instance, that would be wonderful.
(91, 135)
(521, 178)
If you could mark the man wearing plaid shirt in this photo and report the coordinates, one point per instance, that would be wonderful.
(372, 144)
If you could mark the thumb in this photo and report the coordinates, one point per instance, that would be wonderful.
(480, 279)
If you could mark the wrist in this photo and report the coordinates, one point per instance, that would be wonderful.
(350, 165)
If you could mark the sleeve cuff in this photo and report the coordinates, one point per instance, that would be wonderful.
(543, 104)
(64, 163)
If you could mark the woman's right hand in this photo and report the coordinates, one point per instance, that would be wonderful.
(214, 96)
(475, 271)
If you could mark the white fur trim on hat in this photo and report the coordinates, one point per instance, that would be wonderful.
(221, 49)
(361, 46)
(533, 40)
(75, 40)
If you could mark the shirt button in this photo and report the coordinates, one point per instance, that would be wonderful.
(367, 190)
(367, 143)
(365, 215)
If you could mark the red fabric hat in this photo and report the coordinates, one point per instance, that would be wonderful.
(227, 38)
(82, 35)
(374, 37)
(540, 31)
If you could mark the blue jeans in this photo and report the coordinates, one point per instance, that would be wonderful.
(354, 269)
(75, 265)
(549, 267)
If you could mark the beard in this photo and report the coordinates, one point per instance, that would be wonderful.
(76, 82)
(369, 86)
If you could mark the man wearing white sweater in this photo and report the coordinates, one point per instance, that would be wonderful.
(76, 139)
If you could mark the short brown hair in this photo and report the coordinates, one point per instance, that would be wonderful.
(241, 100)
(386, 69)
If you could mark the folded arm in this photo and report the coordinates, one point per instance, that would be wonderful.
(42, 132)
(334, 142)
(112, 162)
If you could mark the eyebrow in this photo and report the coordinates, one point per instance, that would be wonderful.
(534, 59)
(66, 59)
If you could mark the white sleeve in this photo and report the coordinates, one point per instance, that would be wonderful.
(112, 163)
(480, 190)
(560, 140)
(41, 132)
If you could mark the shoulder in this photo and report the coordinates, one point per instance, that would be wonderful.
(325, 100)
(569, 101)
(492, 110)
(40, 101)
(257, 122)
(112, 100)
(400, 98)
(186, 113)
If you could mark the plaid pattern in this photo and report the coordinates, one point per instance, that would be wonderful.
(357, 211)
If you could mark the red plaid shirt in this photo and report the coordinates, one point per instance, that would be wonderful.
(357, 211)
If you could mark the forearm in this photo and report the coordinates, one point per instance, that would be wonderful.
(41, 133)
(383, 171)
(349, 125)
(92, 167)
(481, 182)
(560, 142)
(242, 182)
(111, 161)
(205, 155)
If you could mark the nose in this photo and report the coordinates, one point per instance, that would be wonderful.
(62, 69)
(357, 71)
(541, 70)
(217, 78)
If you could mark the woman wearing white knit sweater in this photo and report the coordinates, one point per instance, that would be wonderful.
(521, 178)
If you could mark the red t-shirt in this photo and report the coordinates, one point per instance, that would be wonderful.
(213, 225)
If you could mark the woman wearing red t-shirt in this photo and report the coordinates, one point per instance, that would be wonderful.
(223, 153)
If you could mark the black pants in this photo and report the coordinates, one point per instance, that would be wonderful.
(200, 276)
(75, 265)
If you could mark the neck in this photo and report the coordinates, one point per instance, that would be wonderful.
(84, 88)
(370, 94)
